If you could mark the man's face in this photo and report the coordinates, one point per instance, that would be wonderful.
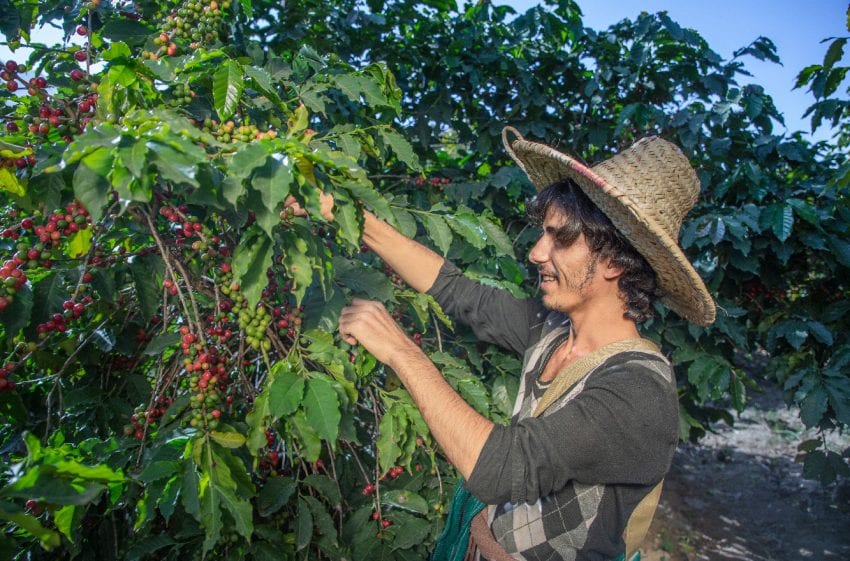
(567, 271)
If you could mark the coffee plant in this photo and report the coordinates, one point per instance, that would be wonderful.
(171, 382)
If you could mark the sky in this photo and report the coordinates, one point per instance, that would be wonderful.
(797, 27)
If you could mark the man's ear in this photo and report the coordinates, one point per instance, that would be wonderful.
(610, 271)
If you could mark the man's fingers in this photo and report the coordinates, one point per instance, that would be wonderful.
(290, 202)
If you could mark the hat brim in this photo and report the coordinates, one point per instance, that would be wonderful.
(683, 291)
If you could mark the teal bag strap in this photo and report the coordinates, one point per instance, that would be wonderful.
(452, 543)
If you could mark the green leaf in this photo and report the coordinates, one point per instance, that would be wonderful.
(348, 219)
(321, 406)
(10, 183)
(405, 221)
(43, 484)
(439, 232)
(362, 279)
(210, 502)
(126, 30)
(175, 165)
(122, 74)
(298, 261)
(158, 470)
(64, 518)
(274, 494)
(48, 295)
(251, 260)
(145, 271)
(247, 8)
(469, 229)
(840, 249)
(311, 444)
(190, 490)
(79, 244)
(304, 526)
(496, 237)
(286, 390)
(247, 159)
(834, 53)
(146, 546)
(353, 86)
(167, 502)
(410, 532)
(820, 332)
(322, 520)
(228, 84)
(240, 510)
(474, 393)
(824, 466)
(813, 406)
(389, 437)
(272, 180)
(325, 485)
(229, 439)
(48, 539)
(91, 188)
(405, 500)
(779, 218)
(262, 82)
(162, 342)
(402, 149)
(17, 315)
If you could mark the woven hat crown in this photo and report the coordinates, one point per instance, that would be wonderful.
(658, 179)
(646, 191)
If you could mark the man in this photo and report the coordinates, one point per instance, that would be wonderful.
(564, 484)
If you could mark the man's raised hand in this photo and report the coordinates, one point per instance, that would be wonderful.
(368, 323)
(326, 204)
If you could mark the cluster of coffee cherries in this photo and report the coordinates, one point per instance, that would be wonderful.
(230, 132)
(253, 321)
(20, 162)
(196, 20)
(10, 73)
(756, 292)
(7, 385)
(143, 417)
(208, 380)
(421, 181)
(58, 322)
(182, 94)
(36, 242)
(270, 461)
(191, 234)
(13, 280)
(287, 319)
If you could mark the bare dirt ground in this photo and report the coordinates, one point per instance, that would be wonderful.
(740, 495)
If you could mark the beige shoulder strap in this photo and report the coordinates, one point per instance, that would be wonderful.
(578, 369)
(641, 516)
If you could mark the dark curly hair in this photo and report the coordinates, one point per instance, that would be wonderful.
(638, 284)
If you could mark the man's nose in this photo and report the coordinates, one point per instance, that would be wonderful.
(539, 253)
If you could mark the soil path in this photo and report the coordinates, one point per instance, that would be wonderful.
(740, 495)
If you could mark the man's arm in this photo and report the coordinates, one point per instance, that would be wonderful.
(417, 265)
(459, 429)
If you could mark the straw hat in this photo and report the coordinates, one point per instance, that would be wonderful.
(646, 191)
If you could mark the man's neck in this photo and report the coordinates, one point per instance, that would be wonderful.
(593, 329)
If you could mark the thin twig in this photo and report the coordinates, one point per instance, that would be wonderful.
(437, 329)
(167, 260)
